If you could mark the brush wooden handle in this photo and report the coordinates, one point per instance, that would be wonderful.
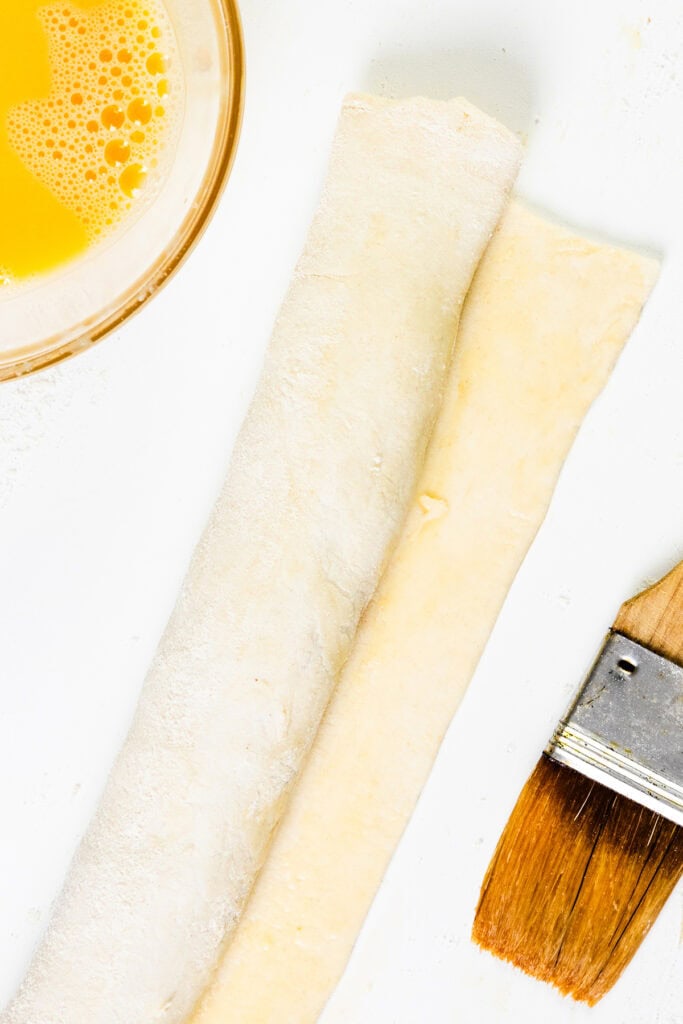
(655, 617)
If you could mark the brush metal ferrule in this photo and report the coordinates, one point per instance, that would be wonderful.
(625, 727)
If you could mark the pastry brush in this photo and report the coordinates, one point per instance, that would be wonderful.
(594, 845)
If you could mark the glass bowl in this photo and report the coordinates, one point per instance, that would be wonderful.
(54, 317)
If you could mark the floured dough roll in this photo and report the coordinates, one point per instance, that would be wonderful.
(545, 319)
(318, 488)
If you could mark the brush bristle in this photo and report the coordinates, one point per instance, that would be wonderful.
(577, 880)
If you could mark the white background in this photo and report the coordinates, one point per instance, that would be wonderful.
(109, 465)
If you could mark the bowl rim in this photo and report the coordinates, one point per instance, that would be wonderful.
(89, 332)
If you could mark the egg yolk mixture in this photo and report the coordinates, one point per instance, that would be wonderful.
(91, 98)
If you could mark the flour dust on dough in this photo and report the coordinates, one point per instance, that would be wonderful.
(318, 489)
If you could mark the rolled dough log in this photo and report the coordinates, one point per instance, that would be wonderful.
(319, 486)
(542, 326)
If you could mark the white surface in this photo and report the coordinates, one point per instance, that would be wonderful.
(109, 465)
